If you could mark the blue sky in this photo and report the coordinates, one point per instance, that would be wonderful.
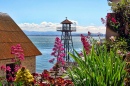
(48, 13)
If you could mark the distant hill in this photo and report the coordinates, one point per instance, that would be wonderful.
(41, 33)
(55, 33)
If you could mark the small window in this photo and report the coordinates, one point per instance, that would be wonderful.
(12, 66)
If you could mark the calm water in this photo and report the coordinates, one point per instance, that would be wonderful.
(45, 45)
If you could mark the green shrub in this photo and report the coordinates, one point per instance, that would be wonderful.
(98, 68)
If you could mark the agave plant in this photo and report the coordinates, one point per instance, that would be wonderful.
(98, 68)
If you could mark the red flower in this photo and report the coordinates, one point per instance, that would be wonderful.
(35, 74)
(68, 82)
(45, 74)
(43, 84)
(10, 79)
(51, 80)
(113, 20)
(59, 81)
(108, 16)
(3, 68)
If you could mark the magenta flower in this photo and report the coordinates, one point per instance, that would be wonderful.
(59, 59)
(35, 74)
(63, 62)
(17, 67)
(21, 56)
(3, 68)
(8, 68)
(18, 45)
(10, 79)
(13, 60)
(113, 20)
(17, 51)
(52, 60)
(54, 49)
(58, 52)
(51, 69)
(108, 16)
(61, 48)
(86, 44)
(45, 74)
(62, 55)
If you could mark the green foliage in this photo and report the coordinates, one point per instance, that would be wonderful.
(121, 12)
(120, 6)
(99, 68)
(118, 44)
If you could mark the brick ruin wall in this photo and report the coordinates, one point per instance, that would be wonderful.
(29, 63)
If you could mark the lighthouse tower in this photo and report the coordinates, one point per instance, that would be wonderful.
(66, 37)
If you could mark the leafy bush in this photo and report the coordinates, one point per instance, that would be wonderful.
(98, 68)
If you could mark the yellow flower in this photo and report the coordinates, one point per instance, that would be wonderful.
(24, 75)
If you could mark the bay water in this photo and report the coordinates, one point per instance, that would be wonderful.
(45, 45)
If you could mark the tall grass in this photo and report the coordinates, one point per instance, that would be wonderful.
(99, 68)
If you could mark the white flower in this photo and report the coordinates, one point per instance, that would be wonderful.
(112, 38)
(83, 58)
(98, 42)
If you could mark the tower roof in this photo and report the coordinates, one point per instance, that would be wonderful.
(11, 34)
(66, 21)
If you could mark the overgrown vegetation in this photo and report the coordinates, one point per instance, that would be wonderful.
(98, 69)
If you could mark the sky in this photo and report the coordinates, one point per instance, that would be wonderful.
(46, 15)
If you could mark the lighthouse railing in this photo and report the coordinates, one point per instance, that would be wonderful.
(73, 29)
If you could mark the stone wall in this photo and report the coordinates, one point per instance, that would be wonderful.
(110, 33)
(4, 62)
(29, 63)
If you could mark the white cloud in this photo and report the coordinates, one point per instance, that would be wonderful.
(49, 26)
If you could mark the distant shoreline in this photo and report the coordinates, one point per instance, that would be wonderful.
(60, 35)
